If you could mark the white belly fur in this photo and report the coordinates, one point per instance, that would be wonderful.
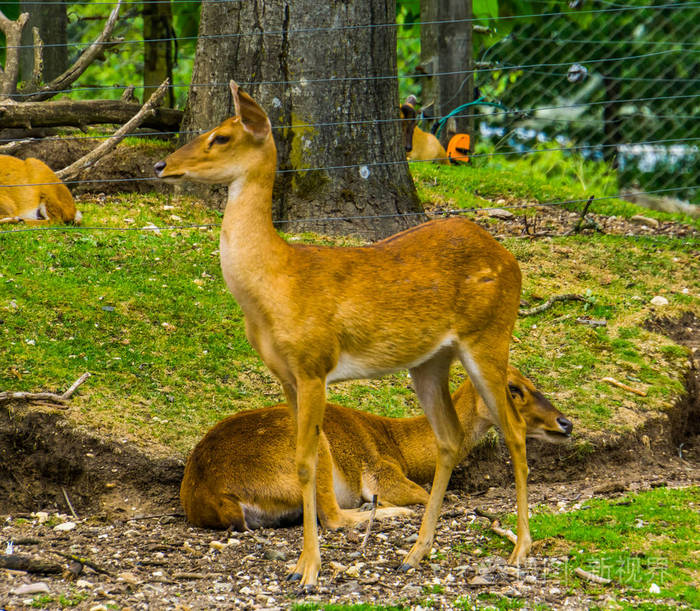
(356, 367)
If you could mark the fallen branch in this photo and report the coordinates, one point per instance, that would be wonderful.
(549, 303)
(43, 396)
(372, 513)
(592, 577)
(17, 562)
(84, 561)
(505, 532)
(614, 382)
(108, 145)
(81, 113)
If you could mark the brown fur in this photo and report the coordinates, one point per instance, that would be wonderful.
(321, 314)
(242, 475)
(31, 192)
(420, 145)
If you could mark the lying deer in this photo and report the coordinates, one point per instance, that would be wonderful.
(317, 314)
(420, 145)
(241, 475)
(31, 192)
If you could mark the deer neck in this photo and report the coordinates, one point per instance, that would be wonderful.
(250, 246)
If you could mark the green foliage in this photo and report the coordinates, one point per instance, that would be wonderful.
(123, 65)
(408, 48)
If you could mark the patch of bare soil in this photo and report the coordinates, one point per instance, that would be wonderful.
(137, 552)
(550, 221)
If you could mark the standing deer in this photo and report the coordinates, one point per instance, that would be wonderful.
(30, 192)
(241, 475)
(417, 300)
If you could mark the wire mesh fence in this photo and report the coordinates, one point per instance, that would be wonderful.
(621, 84)
(610, 86)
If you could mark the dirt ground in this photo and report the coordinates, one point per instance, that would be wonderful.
(137, 551)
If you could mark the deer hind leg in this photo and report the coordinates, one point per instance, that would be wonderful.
(431, 384)
(394, 488)
(310, 405)
(487, 370)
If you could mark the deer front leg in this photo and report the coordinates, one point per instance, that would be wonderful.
(311, 403)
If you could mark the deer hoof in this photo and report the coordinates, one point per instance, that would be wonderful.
(404, 568)
(294, 577)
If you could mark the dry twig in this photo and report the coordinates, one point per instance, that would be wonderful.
(43, 396)
(592, 577)
(504, 532)
(623, 386)
(549, 303)
(85, 561)
(372, 513)
(70, 505)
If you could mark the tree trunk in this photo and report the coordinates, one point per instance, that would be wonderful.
(446, 56)
(341, 158)
(157, 48)
(51, 20)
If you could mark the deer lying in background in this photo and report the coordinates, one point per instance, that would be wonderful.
(420, 145)
(241, 475)
(30, 192)
(317, 314)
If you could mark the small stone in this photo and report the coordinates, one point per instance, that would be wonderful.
(274, 554)
(83, 583)
(129, 578)
(659, 300)
(654, 589)
(639, 219)
(354, 570)
(411, 538)
(65, 526)
(530, 579)
(554, 591)
(478, 580)
(38, 587)
(217, 545)
(499, 213)
(41, 516)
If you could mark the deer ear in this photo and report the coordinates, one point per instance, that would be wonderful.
(253, 118)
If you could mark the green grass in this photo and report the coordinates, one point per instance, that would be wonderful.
(535, 179)
(636, 541)
(149, 316)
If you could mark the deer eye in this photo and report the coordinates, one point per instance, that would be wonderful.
(515, 391)
(221, 139)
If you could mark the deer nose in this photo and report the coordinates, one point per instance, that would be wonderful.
(159, 167)
(565, 425)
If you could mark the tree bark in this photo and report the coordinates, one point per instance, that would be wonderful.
(446, 56)
(340, 153)
(158, 49)
(82, 113)
(51, 20)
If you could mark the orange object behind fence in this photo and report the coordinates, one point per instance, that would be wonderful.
(458, 148)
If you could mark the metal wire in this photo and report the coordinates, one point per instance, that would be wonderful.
(327, 219)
